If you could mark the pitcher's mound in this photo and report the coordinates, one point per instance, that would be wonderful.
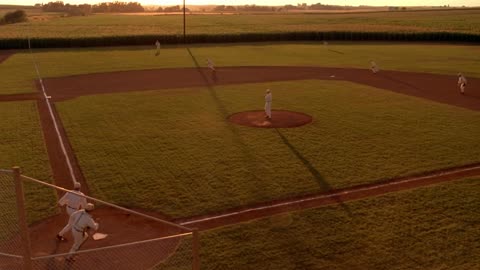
(280, 119)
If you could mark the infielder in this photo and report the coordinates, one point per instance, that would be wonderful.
(268, 104)
(462, 83)
(72, 203)
(157, 44)
(80, 222)
(211, 66)
(374, 67)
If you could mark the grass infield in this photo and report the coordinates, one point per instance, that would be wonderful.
(427, 228)
(173, 150)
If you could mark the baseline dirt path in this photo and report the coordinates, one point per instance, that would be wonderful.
(439, 88)
(251, 212)
(4, 55)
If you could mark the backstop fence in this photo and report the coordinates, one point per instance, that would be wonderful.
(126, 239)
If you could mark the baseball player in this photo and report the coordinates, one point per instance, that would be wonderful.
(462, 83)
(80, 222)
(72, 203)
(211, 66)
(157, 44)
(374, 67)
(268, 104)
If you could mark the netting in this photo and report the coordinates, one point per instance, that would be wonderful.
(10, 242)
(133, 240)
(162, 253)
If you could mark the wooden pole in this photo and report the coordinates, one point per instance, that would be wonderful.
(22, 220)
(196, 250)
(184, 28)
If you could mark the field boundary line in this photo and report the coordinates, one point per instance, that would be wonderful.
(52, 116)
(351, 193)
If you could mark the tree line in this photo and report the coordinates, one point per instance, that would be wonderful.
(85, 9)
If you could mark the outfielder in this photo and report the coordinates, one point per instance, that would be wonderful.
(211, 66)
(462, 83)
(268, 104)
(73, 202)
(80, 222)
(157, 44)
(374, 67)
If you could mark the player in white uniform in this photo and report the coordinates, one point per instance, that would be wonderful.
(157, 44)
(268, 104)
(80, 222)
(462, 83)
(211, 66)
(72, 203)
(374, 67)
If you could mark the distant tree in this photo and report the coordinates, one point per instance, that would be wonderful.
(14, 17)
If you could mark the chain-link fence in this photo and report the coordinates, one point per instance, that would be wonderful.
(125, 239)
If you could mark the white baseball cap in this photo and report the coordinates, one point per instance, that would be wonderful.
(268, 90)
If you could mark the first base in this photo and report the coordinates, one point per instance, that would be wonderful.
(99, 236)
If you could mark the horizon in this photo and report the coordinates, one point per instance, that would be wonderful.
(354, 3)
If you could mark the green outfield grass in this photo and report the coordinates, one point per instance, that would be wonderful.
(464, 21)
(173, 151)
(22, 145)
(428, 228)
(17, 73)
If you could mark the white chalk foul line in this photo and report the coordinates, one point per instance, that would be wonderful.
(52, 116)
(346, 192)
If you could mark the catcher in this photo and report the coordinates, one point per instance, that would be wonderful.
(81, 221)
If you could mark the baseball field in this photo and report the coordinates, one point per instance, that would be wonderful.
(357, 187)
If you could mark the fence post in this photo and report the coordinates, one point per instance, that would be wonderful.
(196, 250)
(22, 219)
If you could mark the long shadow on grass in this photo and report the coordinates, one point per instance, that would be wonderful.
(315, 173)
(224, 112)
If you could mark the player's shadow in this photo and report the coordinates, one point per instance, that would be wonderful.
(339, 52)
(315, 173)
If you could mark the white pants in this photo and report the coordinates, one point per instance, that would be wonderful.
(462, 88)
(374, 69)
(78, 239)
(67, 227)
(268, 109)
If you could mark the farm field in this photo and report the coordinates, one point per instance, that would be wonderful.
(98, 25)
(174, 151)
(428, 228)
(17, 73)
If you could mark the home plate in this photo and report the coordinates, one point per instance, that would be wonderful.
(49, 97)
(99, 236)
(332, 76)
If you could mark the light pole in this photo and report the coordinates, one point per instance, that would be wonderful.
(184, 32)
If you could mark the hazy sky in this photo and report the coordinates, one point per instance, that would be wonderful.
(270, 2)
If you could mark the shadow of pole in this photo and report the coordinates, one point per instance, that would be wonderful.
(315, 173)
(250, 158)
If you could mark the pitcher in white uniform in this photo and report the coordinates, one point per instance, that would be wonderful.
(73, 202)
(268, 104)
(80, 222)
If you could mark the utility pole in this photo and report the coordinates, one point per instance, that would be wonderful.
(184, 28)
